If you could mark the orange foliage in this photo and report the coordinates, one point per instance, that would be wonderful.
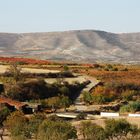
(24, 60)
(104, 91)
(132, 76)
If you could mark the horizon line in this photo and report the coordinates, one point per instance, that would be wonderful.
(71, 30)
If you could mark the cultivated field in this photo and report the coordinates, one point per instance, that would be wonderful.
(3, 68)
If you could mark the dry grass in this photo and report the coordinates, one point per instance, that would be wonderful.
(3, 68)
(131, 76)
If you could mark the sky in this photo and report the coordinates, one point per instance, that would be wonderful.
(18, 16)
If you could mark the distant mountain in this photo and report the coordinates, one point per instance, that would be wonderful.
(80, 46)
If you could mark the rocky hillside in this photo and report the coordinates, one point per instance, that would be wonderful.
(80, 46)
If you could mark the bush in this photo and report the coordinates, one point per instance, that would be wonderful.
(34, 90)
(115, 69)
(17, 125)
(132, 107)
(125, 69)
(87, 97)
(118, 129)
(128, 94)
(34, 123)
(100, 99)
(56, 130)
(92, 131)
(81, 116)
(103, 94)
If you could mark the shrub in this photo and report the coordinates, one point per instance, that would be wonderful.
(17, 125)
(128, 94)
(53, 102)
(56, 130)
(34, 90)
(103, 94)
(132, 107)
(34, 123)
(87, 97)
(115, 69)
(119, 129)
(64, 102)
(81, 116)
(125, 69)
(90, 130)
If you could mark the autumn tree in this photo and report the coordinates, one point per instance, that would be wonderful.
(53, 102)
(17, 125)
(103, 94)
(15, 71)
(128, 94)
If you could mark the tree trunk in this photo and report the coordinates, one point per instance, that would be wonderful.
(1, 137)
(1, 134)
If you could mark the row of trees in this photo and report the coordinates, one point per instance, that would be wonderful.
(39, 89)
(109, 67)
(114, 129)
(41, 128)
(38, 127)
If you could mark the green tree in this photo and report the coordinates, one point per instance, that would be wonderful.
(4, 112)
(131, 107)
(64, 90)
(109, 66)
(34, 123)
(56, 130)
(64, 102)
(119, 129)
(87, 97)
(92, 131)
(66, 68)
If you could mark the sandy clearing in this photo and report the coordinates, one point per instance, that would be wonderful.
(79, 79)
(31, 70)
(3, 68)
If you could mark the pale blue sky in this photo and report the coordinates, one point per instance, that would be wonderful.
(60, 15)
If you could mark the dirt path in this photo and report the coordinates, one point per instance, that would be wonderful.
(79, 104)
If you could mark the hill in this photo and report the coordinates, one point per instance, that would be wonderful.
(79, 46)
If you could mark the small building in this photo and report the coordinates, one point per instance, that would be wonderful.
(35, 107)
(15, 105)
